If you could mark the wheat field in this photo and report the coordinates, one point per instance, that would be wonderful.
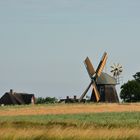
(70, 122)
(58, 133)
(67, 109)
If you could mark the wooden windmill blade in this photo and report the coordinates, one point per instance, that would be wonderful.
(89, 67)
(93, 76)
(85, 92)
(91, 72)
(101, 65)
(96, 92)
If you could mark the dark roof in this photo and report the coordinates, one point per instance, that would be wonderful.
(106, 79)
(16, 98)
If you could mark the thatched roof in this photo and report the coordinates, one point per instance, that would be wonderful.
(16, 98)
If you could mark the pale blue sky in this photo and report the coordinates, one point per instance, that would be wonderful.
(43, 42)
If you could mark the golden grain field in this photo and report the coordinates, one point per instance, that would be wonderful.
(48, 122)
(68, 109)
(69, 133)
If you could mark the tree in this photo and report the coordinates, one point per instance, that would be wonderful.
(130, 91)
(50, 100)
(40, 100)
(46, 100)
(137, 76)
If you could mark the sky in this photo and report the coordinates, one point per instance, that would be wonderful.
(43, 43)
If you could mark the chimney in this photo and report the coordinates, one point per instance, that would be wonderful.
(75, 97)
(67, 97)
(11, 91)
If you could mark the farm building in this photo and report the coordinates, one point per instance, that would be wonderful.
(13, 98)
(69, 100)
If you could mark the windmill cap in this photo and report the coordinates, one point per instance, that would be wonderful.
(106, 79)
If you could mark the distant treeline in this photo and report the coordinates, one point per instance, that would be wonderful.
(47, 100)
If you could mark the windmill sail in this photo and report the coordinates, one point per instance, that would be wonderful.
(89, 67)
(85, 92)
(101, 65)
(96, 92)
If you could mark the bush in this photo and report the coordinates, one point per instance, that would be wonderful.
(46, 100)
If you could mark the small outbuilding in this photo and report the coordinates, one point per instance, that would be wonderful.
(13, 98)
(69, 100)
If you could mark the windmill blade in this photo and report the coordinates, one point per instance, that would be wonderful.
(89, 67)
(112, 67)
(101, 65)
(97, 95)
(120, 67)
(120, 70)
(85, 92)
(114, 74)
(112, 71)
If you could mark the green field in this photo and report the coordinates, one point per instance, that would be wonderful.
(83, 126)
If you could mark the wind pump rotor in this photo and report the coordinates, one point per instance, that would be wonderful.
(116, 70)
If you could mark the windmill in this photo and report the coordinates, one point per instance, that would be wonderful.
(93, 76)
(116, 70)
(103, 85)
